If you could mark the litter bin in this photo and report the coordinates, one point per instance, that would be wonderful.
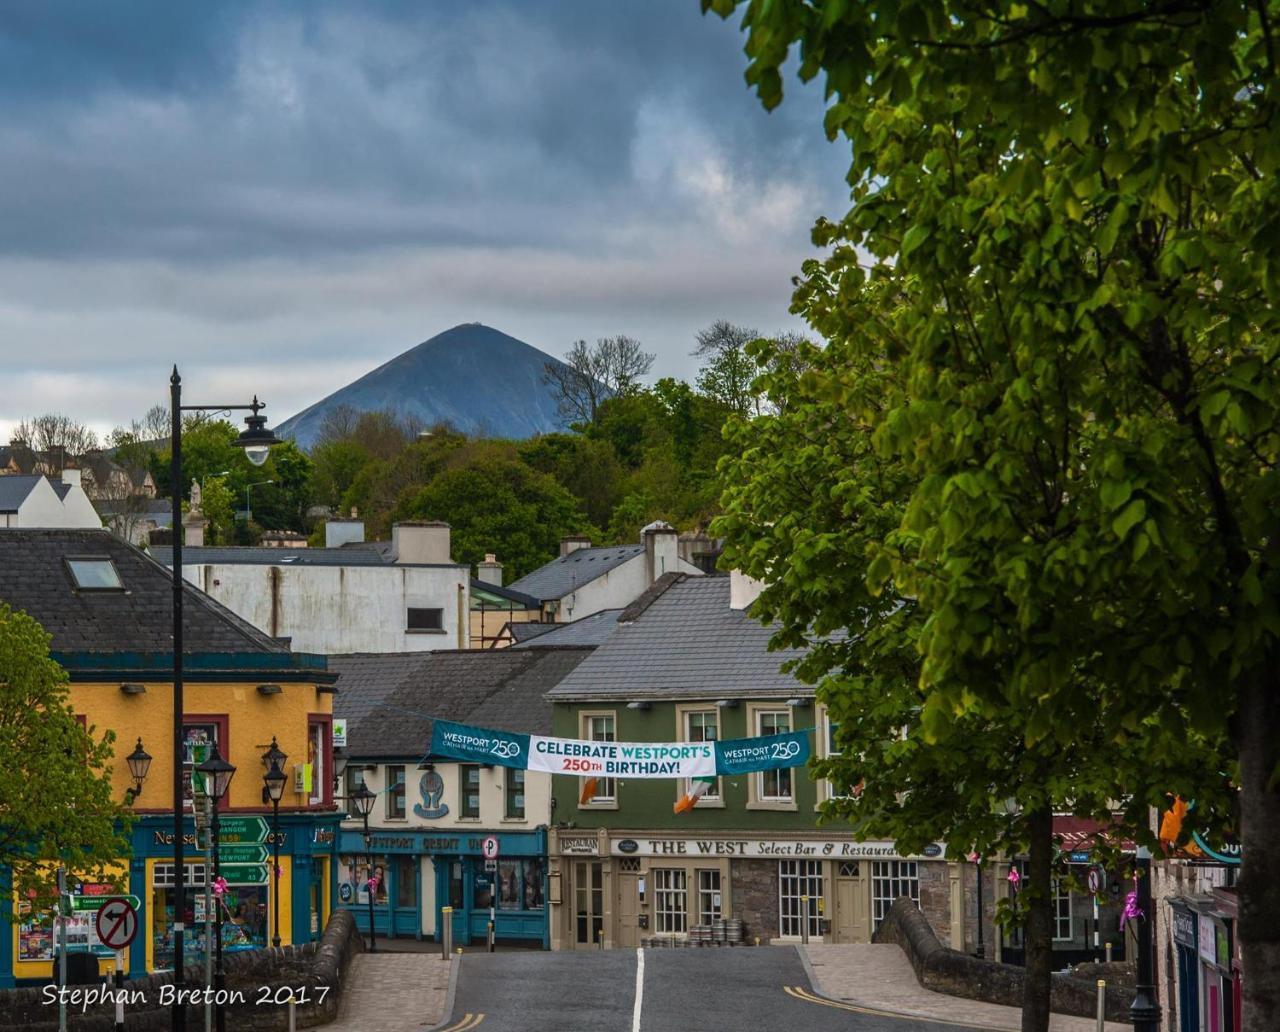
(82, 969)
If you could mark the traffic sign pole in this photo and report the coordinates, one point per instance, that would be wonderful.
(119, 990)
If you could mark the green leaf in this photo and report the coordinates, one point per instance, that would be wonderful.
(1131, 516)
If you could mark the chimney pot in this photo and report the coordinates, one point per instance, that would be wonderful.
(572, 542)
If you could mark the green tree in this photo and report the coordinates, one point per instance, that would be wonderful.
(55, 785)
(728, 371)
(335, 466)
(218, 505)
(496, 503)
(588, 468)
(1075, 207)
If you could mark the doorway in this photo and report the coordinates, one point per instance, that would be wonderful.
(588, 903)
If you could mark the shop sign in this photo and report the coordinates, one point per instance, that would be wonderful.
(1207, 938)
(339, 732)
(696, 847)
(1225, 850)
(580, 845)
(322, 836)
(1184, 927)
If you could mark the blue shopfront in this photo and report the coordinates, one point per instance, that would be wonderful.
(1184, 928)
(307, 845)
(415, 874)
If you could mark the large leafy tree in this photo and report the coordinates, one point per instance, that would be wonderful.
(1076, 204)
(56, 795)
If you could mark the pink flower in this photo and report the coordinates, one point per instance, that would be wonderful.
(1014, 877)
(219, 886)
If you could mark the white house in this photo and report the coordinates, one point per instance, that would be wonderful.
(586, 580)
(411, 597)
(37, 501)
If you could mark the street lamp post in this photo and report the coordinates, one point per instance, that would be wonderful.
(1145, 1011)
(273, 782)
(256, 441)
(363, 800)
(981, 951)
(248, 509)
(218, 773)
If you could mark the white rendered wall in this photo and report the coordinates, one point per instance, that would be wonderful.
(616, 589)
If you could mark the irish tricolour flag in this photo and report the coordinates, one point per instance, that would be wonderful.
(698, 787)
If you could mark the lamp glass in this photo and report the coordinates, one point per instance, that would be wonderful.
(274, 755)
(257, 453)
(275, 780)
(218, 774)
(363, 800)
(139, 762)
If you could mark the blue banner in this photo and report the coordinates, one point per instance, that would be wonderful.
(479, 745)
(764, 752)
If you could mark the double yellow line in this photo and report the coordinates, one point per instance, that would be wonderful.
(468, 1022)
(801, 993)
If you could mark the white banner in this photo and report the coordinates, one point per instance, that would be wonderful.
(622, 759)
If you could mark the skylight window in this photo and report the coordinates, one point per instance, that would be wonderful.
(95, 574)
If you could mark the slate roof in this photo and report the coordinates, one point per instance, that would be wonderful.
(245, 555)
(589, 630)
(390, 700)
(14, 489)
(34, 578)
(527, 630)
(685, 643)
(561, 576)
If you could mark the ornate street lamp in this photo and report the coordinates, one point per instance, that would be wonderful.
(363, 799)
(139, 762)
(256, 440)
(273, 782)
(217, 774)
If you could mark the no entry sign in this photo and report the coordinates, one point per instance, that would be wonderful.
(117, 923)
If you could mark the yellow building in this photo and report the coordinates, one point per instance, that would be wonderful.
(108, 607)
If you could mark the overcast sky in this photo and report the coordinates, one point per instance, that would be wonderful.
(281, 196)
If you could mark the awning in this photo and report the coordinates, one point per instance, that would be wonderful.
(1079, 835)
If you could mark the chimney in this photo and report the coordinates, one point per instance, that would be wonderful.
(71, 476)
(572, 543)
(342, 532)
(661, 550)
(421, 541)
(743, 590)
(489, 571)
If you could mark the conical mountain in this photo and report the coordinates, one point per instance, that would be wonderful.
(478, 379)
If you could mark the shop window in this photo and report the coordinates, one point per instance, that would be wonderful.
(430, 620)
(600, 727)
(199, 734)
(708, 896)
(520, 884)
(797, 879)
(1063, 930)
(891, 879)
(773, 786)
(469, 808)
(406, 882)
(242, 913)
(588, 902)
(395, 792)
(320, 758)
(670, 899)
(353, 879)
(702, 726)
(514, 793)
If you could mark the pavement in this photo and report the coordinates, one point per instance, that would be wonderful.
(393, 992)
(878, 975)
(665, 990)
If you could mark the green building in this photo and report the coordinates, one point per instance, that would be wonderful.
(688, 663)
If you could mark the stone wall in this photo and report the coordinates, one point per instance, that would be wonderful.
(935, 895)
(755, 897)
(306, 969)
(949, 971)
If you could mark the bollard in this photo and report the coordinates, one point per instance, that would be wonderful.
(804, 919)
(1108, 953)
(1102, 1004)
(491, 937)
(119, 990)
(293, 1016)
(600, 938)
(446, 931)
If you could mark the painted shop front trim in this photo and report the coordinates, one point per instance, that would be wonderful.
(420, 872)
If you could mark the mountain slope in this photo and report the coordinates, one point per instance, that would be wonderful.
(476, 378)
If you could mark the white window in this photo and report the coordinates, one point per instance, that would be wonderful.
(599, 727)
(797, 879)
(1062, 927)
(708, 896)
(702, 726)
(773, 786)
(670, 899)
(835, 790)
(889, 880)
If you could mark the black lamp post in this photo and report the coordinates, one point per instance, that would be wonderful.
(218, 773)
(273, 782)
(139, 762)
(363, 800)
(1145, 1011)
(256, 440)
(981, 951)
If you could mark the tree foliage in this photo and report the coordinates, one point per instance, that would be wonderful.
(1064, 236)
(55, 785)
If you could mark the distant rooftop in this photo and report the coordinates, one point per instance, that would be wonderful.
(561, 576)
(248, 555)
(589, 630)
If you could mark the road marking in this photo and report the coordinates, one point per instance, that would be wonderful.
(468, 1022)
(635, 1011)
(801, 993)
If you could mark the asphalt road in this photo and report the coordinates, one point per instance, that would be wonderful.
(685, 990)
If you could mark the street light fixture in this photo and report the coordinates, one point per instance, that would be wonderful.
(248, 509)
(217, 779)
(273, 782)
(363, 800)
(139, 762)
(256, 439)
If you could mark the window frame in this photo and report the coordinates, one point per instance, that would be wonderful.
(896, 877)
(805, 873)
(408, 620)
(464, 770)
(706, 894)
(601, 800)
(1062, 895)
(757, 800)
(509, 793)
(222, 722)
(671, 900)
(322, 779)
(394, 809)
(117, 588)
(349, 782)
(713, 799)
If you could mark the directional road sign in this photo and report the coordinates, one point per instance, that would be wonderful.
(244, 874)
(242, 829)
(242, 853)
(97, 902)
(117, 922)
